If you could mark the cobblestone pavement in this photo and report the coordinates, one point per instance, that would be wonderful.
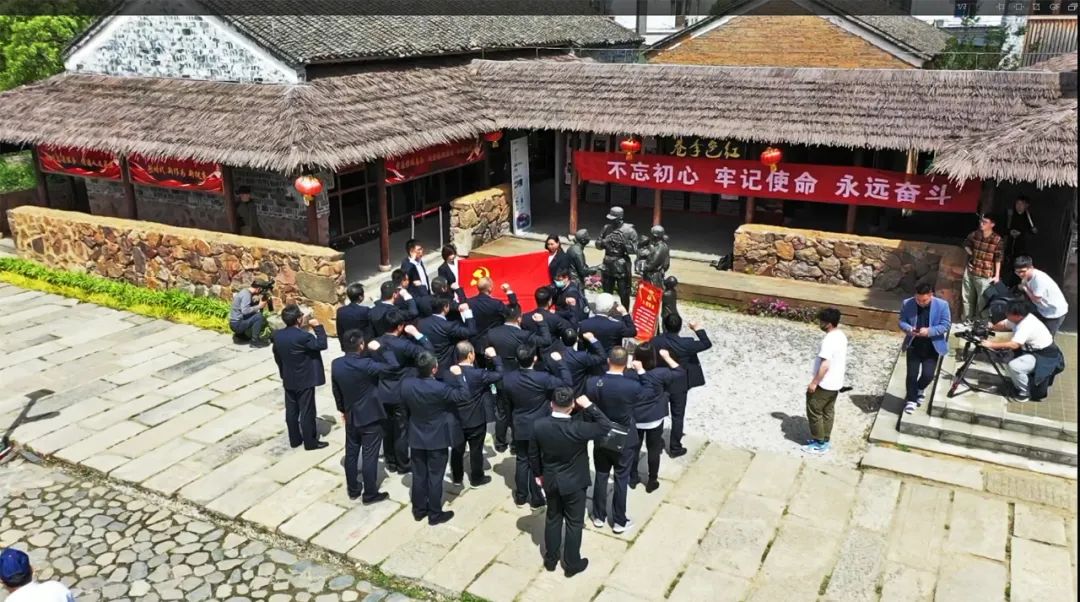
(184, 414)
(108, 544)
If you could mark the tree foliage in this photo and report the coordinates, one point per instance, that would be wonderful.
(34, 33)
(995, 53)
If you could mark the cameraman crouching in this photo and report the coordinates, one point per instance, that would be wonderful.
(245, 317)
(1036, 358)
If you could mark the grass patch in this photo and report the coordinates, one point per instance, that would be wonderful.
(16, 172)
(824, 584)
(171, 304)
(902, 447)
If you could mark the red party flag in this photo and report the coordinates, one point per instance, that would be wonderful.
(524, 273)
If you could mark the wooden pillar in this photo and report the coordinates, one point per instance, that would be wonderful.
(131, 208)
(230, 199)
(384, 214)
(853, 210)
(658, 206)
(559, 164)
(42, 184)
(313, 221)
(487, 169)
(748, 216)
(575, 191)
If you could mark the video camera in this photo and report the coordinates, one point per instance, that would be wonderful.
(976, 333)
(265, 287)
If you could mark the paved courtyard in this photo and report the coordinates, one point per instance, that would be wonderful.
(181, 413)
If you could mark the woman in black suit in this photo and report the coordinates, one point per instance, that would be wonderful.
(448, 268)
(557, 258)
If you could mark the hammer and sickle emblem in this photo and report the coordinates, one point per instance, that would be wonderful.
(479, 273)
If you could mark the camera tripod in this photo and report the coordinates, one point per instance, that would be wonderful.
(961, 374)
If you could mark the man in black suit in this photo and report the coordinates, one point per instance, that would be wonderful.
(473, 413)
(405, 353)
(527, 393)
(354, 316)
(615, 392)
(298, 354)
(568, 296)
(559, 458)
(684, 350)
(443, 333)
(433, 429)
(557, 259)
(507, 338)
(556, 321)
(439, 288)
(391, 297)
(580, 363)
(488, 310)
(611, 324)
(413, 266)
(355, 381)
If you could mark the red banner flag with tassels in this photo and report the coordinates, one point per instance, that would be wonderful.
(524, 273)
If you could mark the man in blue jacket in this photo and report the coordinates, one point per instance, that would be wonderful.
(925, 320)
(298, 354)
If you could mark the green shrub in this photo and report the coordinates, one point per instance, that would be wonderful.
(16, 173)
(170, 304)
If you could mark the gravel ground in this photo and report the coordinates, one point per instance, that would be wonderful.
(756, 376)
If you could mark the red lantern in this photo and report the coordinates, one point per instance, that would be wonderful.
(771, 157)
(309, 186)
(630, 146)
(493, 138)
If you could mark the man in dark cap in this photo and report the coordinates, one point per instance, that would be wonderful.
(247, 218)
(18, 578)
(618, 240)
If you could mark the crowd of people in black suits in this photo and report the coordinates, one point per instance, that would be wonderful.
(426, 372)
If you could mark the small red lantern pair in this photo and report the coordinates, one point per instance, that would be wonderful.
(771, 156)
(309, 186)
(630, 145)
(493, 138)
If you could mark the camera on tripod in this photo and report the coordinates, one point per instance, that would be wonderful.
(976, 333)
(266, 287)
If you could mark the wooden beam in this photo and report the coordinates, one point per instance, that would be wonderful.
(131, 207)
(575, 191)
(42, 193)
(313, 221)
(853, 210)
(230, 199)
(384, 214)
(748, 216)
(658, 206)
(560, 145)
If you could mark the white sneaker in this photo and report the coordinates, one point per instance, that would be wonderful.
(629, 524)
(598, 523)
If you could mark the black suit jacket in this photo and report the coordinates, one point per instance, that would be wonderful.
(298, 354)
(507, 338)
(447, 273)
(582, 363)
(561, 261)
(684, 350)
(414, 276)
(579, 311)
(529, 393)
(377, 315)
(616, 395)
(556, 323)
(355, 378)
(354, 317)
(404, 354)
(477, 408)
(652, 403)
(444, 334)
(560, 451)
(431, 406)
(488, 311)
(608, 331)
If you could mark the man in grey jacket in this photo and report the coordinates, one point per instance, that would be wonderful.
(245, 316)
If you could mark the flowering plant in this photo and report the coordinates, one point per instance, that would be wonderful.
(778, 308)
(592, 282)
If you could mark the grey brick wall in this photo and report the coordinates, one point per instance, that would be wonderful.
(179, 46)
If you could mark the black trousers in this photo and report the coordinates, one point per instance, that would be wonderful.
(474, 438)
(525, 487)
(920, 371)
(564, 508)
(653, 440)
(300, 417)
(502, 421)
(395, 441)
(604, 460)
(617, 285)
(677, 406)
(366, 439)
(429, 468)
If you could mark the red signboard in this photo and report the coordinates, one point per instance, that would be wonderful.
(184, 174)
(646, 312)
(791, 181)
(436, 158)
(78, 162)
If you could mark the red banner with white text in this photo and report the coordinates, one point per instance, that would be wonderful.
(846, 185)
(182, 174)
(436, 158)
(78, 162)
(646, 312)
(524, 273)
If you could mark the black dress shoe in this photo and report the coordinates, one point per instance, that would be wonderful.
(403, 469)
(354, 496)
(484, 480)
(440, 518)
(318, 445)
(571, 571)
(238, 339)
(295, 445)
(419, 516)
(652, 486)
(378, 497)
(549, 565)
(537, 505)
(676, 452)
(500, 448)
(259, 343)
(634, 483)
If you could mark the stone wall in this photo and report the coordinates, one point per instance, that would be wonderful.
(847, 259)
(201, 262)
(479, 218)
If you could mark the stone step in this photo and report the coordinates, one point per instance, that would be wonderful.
(921, 424)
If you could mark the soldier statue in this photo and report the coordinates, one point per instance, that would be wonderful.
(671, 298)
(579, 268)
(654, 257)
(619, 240)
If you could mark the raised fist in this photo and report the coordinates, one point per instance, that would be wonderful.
(572, 302)
(695, 326)
(313, 323)
(455, 370)
(490, 352)
(464, 307)
(582, 402)
(588, 336)
(373, 346)
(555, 355)
(411, 330)
(537, 318)
(505, 287)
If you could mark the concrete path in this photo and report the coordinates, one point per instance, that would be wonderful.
(184, 413)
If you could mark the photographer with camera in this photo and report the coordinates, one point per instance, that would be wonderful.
(245, 316)
(1043, 292)
(1036, 358)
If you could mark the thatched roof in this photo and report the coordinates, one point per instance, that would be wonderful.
(330, 122)
(1060, 63)
(1039, 147)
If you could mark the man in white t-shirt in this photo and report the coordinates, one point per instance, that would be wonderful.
(1041, 289)
(828, 378)
(18, 579)
(1030, 336)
